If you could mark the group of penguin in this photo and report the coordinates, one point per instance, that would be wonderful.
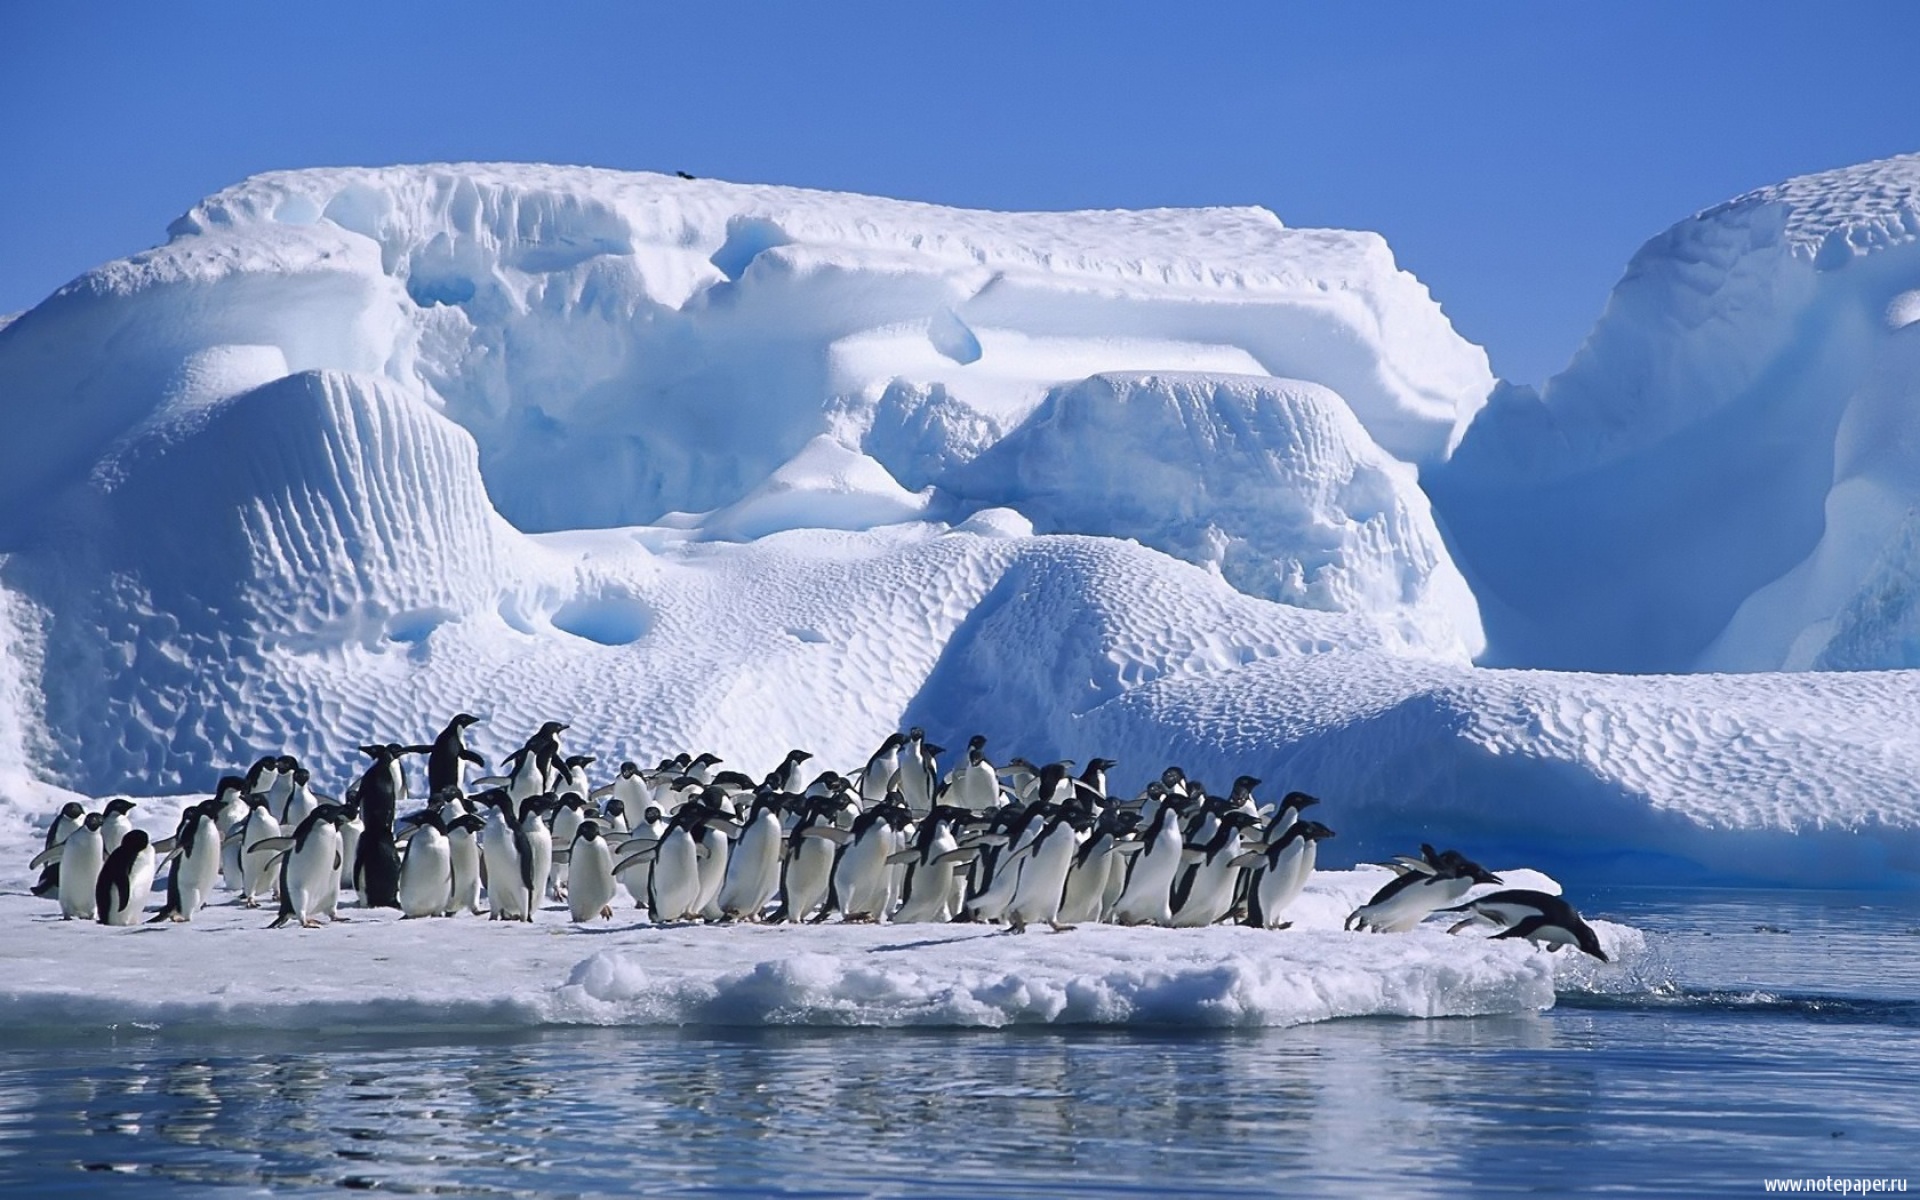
(896, 841)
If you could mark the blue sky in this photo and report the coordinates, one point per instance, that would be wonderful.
(1514, 154)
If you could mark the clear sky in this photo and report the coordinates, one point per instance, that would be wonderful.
(1514, 154)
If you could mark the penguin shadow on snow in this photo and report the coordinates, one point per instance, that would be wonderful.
(930, 943)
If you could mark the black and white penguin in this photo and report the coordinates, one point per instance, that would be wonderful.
(1146, 895)
(426, 876)
(506, 856)
(806, 876)
(1043, 869)
(233, 795)
(126, 877)
(382, 789)
(590, 867)
(919, 774)
(257, 874)
(376, 868)
(1095, 862)
(876, 779)
(116, 824)
(1407, 899)
(785, 778)
(974, 784)
(534, 840)
(310, 866)
(301, 801)
(637, 878)
(673, 885)
(68, 819)
(1286, 865)
(931, 859)
(196, 856)
(447, 760)
(80, 858)
(1539, 917)
(463, 848)
(1204, 892)
(753, 870)
(860, 878)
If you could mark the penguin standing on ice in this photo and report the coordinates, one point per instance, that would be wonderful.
(876, 778)
(383, 787)
(80, 858)
(196, 855)
(257, 874)
(115, 824)
(1286, 865)
(68, 819)
(974, 784)
(1043, 873)
(753, 872)
(1146, 895)
(786, 777)
(463, 849)
(309, 867)
(806, 877)
(376, 868)
(919, 772)
(590, 867)
(447, 760)
(125, 879)
(426, 877)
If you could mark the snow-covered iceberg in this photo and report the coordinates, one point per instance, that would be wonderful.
(1723, 478)
(707, 466)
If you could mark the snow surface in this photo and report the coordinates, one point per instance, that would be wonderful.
(1723, 477)
(1142, 485)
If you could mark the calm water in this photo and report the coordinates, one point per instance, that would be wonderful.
(1787, 1044)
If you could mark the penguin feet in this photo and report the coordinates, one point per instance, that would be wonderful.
(1284, 925)
(1016, 927)
(606, 912)
(309, 923)
(1057, 927)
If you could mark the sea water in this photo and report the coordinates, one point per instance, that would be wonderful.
(1777, 1037)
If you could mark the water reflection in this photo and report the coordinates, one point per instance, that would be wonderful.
(1705, 1090)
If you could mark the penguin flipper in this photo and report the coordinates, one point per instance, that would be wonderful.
(51, 854)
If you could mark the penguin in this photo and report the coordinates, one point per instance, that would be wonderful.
(536, 842)
(196, 859)
(80, 858)
(301, 801)
(280, 788)
(1146, 894)
(1407, 899)
(1292, 806)
(573, 772)
(1287, 863)
(383, 787)
(350, 828)
(447, 760)
(638, 878)
(975, 784)
(125, 879)
(376, 868)
(673, 886)
(919, 772)
(1097, 860)
(997, 874)
(876, 778)
(785, 778)
(1539, 917)
(504, 851)
(860, 873)
(232, 796)
(714, 835)
(426, 883)
(68, 819)
(1204, 891)
(310, 865)
(590, 867)
(700, 769)
(753, 870)
(116, 823)
(806, 877)
(630, 787)
(932, 860)
(567, 815)
(1023, 779)
(1093, 780)
(1043, 871)
(257, 874)
(463, 849)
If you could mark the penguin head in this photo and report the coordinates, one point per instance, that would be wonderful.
(615, 807)
(286, 762)
(1243, 786)
(462, 720)
(706, 760)
(1312, 831)
(629, 769)
(302, 776)
(579, 760)
(73, 810)
(119, 806)
(572, 800)
(1172, 778)
(135, 841)
(589, 830)
(797, 757)
(1298, 801)
(94, 821)
(230, 783)
(552, 728)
